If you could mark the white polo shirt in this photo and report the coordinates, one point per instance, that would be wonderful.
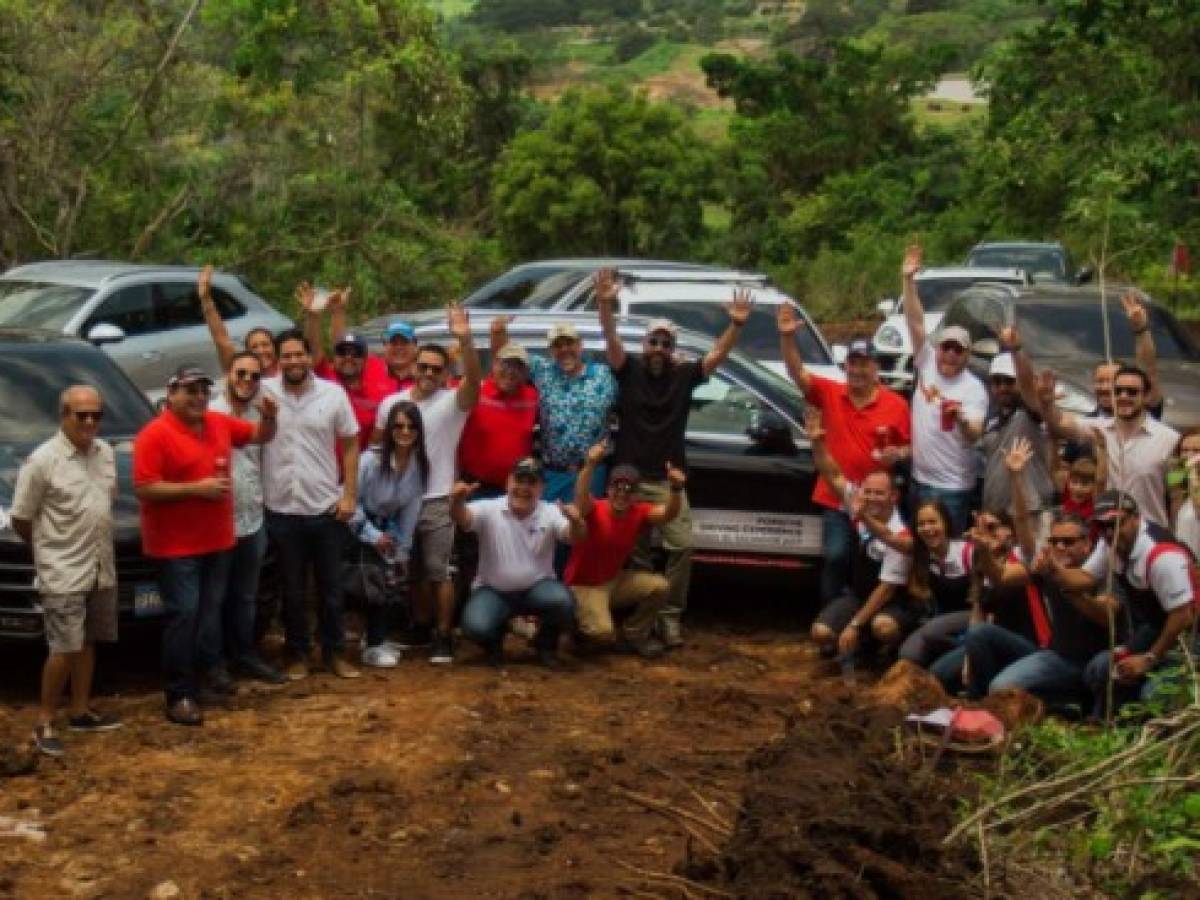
(944, 459)
(516, 553)
(1137, 466)
(300, 469)
(1169, 578)
(443, 423)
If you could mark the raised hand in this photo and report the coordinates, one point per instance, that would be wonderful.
(1047, 388)
(607, 287)
(499, 326)
(1135, 311)
(912, 261)
(1010, 337)
(306, 295)
(858, 505)
(739, 308)
(676, 476)
(462, 490)
(204, 284)
(786, 319)
(459, 321)
(570, 510)
(340, 299)
(267, 406)
(597, 452)
(813, 426)
(1018, 455)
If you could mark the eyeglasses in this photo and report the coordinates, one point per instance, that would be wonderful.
(1063, 541)
(350, 350)
(246, 375)
(1124, 390)
(88, 415)
(405, 426)
(660, 343)
(431, 368)
(951, 347)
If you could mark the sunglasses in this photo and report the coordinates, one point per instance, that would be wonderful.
(405, 426)
(1122, 390)
(88, 415)
(431, 368)
(350, 350)
(951, 347)
(1002, 380)
(623, 487)
(246, 375)
(660, 343)
(1063, 541)
(196, 390)
(1106, 525)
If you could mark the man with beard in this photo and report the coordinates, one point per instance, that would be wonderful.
(653, 404)
(444, 411)
(242, 566)
(307, 510)
(866, 427)
(259, 341)
(1137, 446)
(181, 468)
(517, 537)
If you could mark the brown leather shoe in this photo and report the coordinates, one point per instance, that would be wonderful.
(342, 669)
(184, 711)
(297, 670)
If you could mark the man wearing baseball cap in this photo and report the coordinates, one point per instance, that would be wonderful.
(653, 405)
(866, 429)
(949, 405)
(1155, 581)
(181, 475)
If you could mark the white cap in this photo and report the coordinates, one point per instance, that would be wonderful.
(1002, 365)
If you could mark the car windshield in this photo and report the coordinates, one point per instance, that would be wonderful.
(528, 289)
(938, 293)
(759, 339)
(1076, 329)
(1040, 262)
(35, 304)
(33, 376)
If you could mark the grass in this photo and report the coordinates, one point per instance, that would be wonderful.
(712, 124)
(947, 114)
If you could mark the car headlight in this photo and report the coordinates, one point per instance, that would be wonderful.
(888, 337)
(1074, 399)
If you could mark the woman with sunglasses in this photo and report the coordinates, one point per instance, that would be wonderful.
(391, 483)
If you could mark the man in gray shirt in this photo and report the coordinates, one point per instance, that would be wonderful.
(1015, 414)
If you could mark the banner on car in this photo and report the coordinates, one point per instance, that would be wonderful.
(756, 532)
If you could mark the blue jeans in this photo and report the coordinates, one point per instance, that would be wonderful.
(1097, 674)
(957, 502)
(319, 540)
(1045, 674)
(990, 650)
(239, 604)
(947, 669)
(837, 539)
(191, 590)
(486, 615)
(935, 638)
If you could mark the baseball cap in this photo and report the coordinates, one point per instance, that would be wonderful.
(528, 467)
(626, 473)
(352, 340)
(955, 334)
(402, 329)
(513, 351)
(560, 330)
(1112, 504)
(860, 347)
(662, 325)
(186, 375)
(1002, 366)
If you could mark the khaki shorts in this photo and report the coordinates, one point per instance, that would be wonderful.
(434, 540)
(72, 620)
(594, 604)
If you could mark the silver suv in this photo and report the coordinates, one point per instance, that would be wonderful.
(147, 318)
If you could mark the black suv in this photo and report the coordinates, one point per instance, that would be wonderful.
(35, 367)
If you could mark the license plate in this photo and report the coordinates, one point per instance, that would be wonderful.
(147, 601)
(780, 534)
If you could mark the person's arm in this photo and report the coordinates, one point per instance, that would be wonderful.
(212, 318)
(827, 466)
(268, 411)
(460, 512)
(166, 491)
(349, 499)
(880, 597)
(606, 288)
(1016, 458)
(27, 499)
(406, 527)
(360, 523)
(583, 481)
(663, 513)
(339, 301)
(1143, 343)
(1100, 451)
(498, 334)
(1010, 341)
(1170, 579)
(1061, 425)
(460, 328)
(739, 311)
(311, 325)
(788, 323)
(914, 314)
(577, 530)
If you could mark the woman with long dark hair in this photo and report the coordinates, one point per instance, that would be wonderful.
(391, 483)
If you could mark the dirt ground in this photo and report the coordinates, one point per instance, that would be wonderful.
(475, 782)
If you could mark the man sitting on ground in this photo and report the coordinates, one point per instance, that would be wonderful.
(596, 570)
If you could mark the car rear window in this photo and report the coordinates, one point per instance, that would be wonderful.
(1077, 330)
(938, 293)
(33, 304)
(33, 376)
(1037, 262)
(759, 338)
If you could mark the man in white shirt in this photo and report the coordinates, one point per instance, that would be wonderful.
(517, 534)
(949, 405)
(307, 510)
(444, 412)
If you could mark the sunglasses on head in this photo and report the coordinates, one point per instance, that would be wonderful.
(246, 375)
(350, 350)
(431, 368)
(951, 347)
(1125, 390)
(655, 343)
(88, 415)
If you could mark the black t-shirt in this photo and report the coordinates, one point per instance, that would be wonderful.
(653, 415)
(1073, 635)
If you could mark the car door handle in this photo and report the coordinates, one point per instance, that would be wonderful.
(152, 354)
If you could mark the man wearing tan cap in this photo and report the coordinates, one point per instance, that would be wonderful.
(655, 399)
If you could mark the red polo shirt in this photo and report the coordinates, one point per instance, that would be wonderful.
(373, 387)
(610, 540)
(850, 430)
(498, 432)
(167, 450)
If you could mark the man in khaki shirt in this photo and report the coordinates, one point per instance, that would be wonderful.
(63, 508)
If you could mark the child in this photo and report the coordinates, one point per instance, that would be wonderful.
(1081, 490)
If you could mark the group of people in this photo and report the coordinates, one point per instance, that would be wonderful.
(377, 474)
(1031, 551)
(1034, 549)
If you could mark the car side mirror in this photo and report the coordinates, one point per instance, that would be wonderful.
(770, 432)
(105, 333)
(886, 306)
(840, 353)
(1084, 275)
(988, 347)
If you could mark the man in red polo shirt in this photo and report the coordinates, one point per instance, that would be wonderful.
(499, 431)
(181, 472)
(867, 428)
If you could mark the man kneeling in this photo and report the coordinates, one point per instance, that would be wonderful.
(517, 536)
(596, 570)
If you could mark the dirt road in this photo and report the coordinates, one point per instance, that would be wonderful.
(415, 782)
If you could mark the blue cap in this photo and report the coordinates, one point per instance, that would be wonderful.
(860, 347)
(400, 329)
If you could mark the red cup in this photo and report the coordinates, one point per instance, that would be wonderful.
(1118, 654)
(949, 414)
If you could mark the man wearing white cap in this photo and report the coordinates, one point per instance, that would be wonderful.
(653, 405)
(949, 405)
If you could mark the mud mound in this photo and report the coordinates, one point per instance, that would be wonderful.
(830, 811)
(910, 688)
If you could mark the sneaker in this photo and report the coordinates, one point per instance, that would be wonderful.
(259, 670)
(47, 741)
(93, 721)
(341, 668)
(416, 635)
(395, 648)
(671, 632)
(646, 646)
(443, 650)
(297, 670)
(379, 657)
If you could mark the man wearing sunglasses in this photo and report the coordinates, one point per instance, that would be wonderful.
(242, 566)
(949, 405)
(655, 397)
(1138, 447)
(181, 475)
(62, 507)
